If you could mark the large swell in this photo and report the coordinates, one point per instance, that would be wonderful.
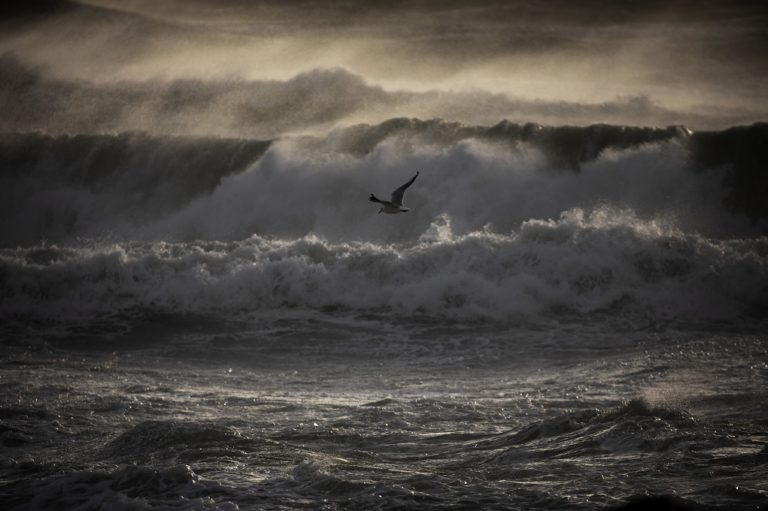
(506, 222)
(59, 188)
(134, 186)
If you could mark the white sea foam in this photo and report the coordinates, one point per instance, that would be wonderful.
(581, 263)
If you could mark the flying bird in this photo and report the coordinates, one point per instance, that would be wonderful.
(395, 203)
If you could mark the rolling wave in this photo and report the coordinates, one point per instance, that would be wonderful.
(58, 187)
(604, 262)
(137, 186)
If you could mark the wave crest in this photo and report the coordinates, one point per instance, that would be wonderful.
(603, 261)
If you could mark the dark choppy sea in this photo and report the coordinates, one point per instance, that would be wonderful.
(330, 412)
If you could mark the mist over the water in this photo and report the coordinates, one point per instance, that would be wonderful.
(202, 310)
(257, 68)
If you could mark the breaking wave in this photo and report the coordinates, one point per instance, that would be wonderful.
(506, 222)
(606, 260)
(135, 186)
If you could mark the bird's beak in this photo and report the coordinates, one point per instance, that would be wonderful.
(380, 210)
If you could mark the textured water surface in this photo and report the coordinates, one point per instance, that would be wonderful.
(348, 413)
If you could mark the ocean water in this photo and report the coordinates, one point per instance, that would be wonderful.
(567, 318)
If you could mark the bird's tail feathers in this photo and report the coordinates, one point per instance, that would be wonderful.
(373, 198)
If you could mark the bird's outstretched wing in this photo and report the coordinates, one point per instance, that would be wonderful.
(397, 195)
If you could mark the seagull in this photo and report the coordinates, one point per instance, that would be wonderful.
(395, 204)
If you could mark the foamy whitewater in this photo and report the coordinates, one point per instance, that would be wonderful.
(567, 318)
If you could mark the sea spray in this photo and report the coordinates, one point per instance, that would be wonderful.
(584, 262)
